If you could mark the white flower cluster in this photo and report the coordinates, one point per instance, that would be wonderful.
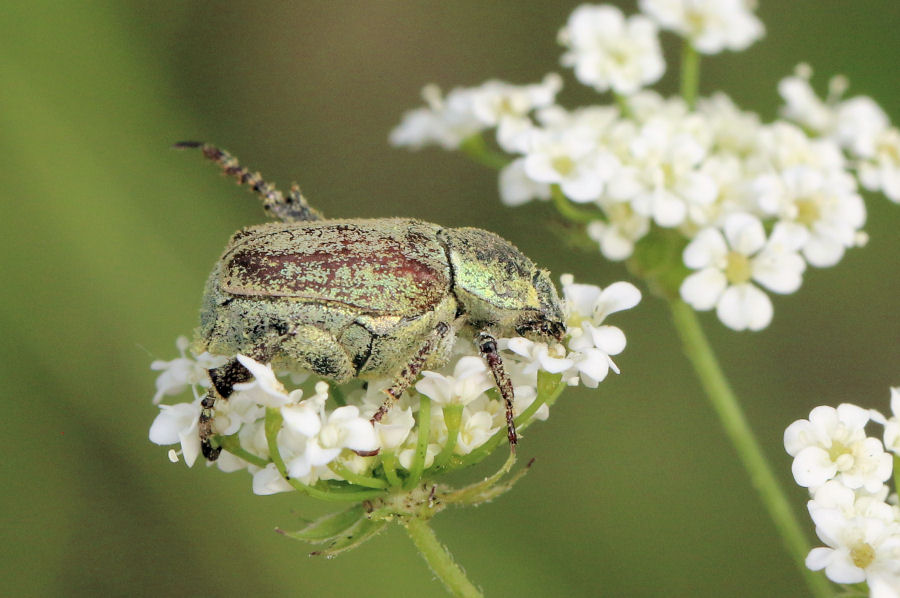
(329, 436)
(753, 202)
(855, 513)
(858, 125)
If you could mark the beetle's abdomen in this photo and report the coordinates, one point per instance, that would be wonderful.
(386, 266)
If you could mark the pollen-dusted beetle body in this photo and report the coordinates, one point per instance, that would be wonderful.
(363, 298)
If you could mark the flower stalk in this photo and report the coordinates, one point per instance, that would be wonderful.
(727, 407)
(439, 559)
(690, 74)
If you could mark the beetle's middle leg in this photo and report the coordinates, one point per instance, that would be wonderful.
(294, 208)
(411, 370)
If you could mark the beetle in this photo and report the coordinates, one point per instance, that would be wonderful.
(362, 298)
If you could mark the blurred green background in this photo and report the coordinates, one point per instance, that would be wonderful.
(107, 237)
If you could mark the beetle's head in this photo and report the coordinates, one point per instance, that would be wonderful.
(499, 288)
(548, 322)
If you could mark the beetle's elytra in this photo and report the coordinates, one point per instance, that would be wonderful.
(362, 298)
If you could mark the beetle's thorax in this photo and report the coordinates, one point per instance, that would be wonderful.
(497, 287)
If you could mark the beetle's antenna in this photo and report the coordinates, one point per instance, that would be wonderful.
(294, 208)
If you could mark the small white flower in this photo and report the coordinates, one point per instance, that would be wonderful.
(476, 428)
(832, 444)
(859, 548)
(728, 264)
(516, 187)
(592, 365)
(445, 122)
(892, 425)
(241, 408)
(470, 379)
(494, 101)
(587, 301)
(534, 356)
(448, 121)
(855, 124)
(823, 207)
(734, 131)
(802, 104)
(268, 480)
(622, 229)
(570, 159)
(265, 388)
(609, 52)
(781, 145)
(325, 434)
(710, 25)
(394, 428)
(183, 372)
(881, 172)
(667, 155)
(177, 424)
(853, 503)
(591, 343)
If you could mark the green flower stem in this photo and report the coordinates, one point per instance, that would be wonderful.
(439, 559)
(355, 478)
(569, 211)
(452, 419)
(389, 463)
(464, 495)
(418, 463)
(896, 472)
(477, 149)
(732, 417)
(624, 106)
(232, 444)
(690, 74)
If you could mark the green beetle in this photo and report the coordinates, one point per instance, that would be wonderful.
(362, 298)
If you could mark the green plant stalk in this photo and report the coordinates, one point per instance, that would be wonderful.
(726, 405)
(439, 559)
(418, 463)
(896, 473)
(476, 148)
(690, 74)
(452, 419)
(389, 462)
(570, 211)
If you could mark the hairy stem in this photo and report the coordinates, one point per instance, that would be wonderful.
(738, 430)
(439, 559)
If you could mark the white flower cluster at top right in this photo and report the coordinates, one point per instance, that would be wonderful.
(755, 202)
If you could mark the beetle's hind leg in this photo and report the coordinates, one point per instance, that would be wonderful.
(293, 208)
(411, 370)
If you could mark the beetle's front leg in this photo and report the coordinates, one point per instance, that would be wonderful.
(487, 344)
(223, 380)
(411, 370)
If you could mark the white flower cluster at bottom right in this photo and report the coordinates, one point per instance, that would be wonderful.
(855, 512)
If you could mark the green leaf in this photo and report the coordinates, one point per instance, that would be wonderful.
(352, 537)
(328, 527)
